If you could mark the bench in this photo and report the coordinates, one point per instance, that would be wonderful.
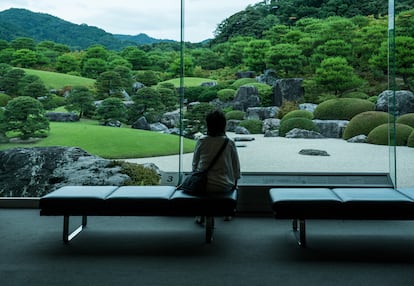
(133, 201)
(300, 204)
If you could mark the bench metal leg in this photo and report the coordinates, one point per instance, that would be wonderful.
(301, 236)
(67, 237)
(209, 225)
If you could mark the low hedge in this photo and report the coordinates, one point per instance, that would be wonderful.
(379, 135)
(235, 115)
(407, 119)
(342, 108)
(296, 122)
(253, 125)
(364, 122)
(298, 113)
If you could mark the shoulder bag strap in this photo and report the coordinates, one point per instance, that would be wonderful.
(218, 154)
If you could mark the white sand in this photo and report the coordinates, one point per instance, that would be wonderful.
(278, 154)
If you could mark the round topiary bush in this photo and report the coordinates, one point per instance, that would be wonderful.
(379, 135)
(407, 119)
(296, 122)
(410, 142)
(226, 94)
(243, 81)
(286, 107)
(235, 115)
(4, 98)
(364, 122)
(356, 94)
(298, 113)
(253, 125)
(342, 108)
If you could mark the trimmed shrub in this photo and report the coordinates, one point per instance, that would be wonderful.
(265, 93)
(286, 107)
(373, 99)
(356, 94)
(342, 108)
(296, 122)
(364, 122)
(410, 142)
(242, 81)
(235, 114)
(379, 135)
(139, 175)
(4, 98)
(253, 125)
(226, 94)
(407, 119)
(298, 113)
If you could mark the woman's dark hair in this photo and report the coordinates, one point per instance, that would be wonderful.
(216, 123)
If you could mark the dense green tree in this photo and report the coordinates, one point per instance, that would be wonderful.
(93, 67)
(337, 76)
(35, 89)
(207, 59)
(147, 78)
(255, 54)
(80, 99)
(112, 108)
(6, 55)
(9, 83)
(26, 116)
(109, 84)
(67, 63)
(23, 43)
(136, 57)
(25, 58)
(126, 77)
(286, 59)
(147, 102)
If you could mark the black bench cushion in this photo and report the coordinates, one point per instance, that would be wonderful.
(140, 200)
(75, 200)
(375, 203)
(219, 204)
(304, 203)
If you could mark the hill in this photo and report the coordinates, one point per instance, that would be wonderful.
(44, 27)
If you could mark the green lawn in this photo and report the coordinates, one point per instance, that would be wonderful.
(53, 80)
(189, 81)
(110, 142)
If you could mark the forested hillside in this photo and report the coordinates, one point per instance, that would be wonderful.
(43, 27)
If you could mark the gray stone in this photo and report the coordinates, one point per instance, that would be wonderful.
(271, 133)
(111, 123)
(313, 152)
(247, 96)
(245, 74)
(268, 77)
(301, 133)
(308, 107)
(159, 127)
(358, 139)
(289, 89)
(171, 119)
(209, 83)
(141, 123)
(262, 113)
(331, 128)
(244, 138)
(62, 116)
(270, 124)
(34, 172)
(241, 130)
(404, 102)
(232, 125)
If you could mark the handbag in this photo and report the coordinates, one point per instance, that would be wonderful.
(196, 182)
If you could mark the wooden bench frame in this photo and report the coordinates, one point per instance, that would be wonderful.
(87, 201)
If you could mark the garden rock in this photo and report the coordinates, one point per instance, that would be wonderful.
(270, 124)
(111, 123)
(358, 139)
(241, 130)
(62, 116)
(289, 89)
(141, 123)
(268, 77)
(247, 96)
(209, 83)
(301, 133)
(331, 128)
(232, 125)
(404, 102)
(313, 152)
(271, 133)
(158, 127)
(261, 113)
(245, 74)
(171, 119)
(308, 107)
(34, 172)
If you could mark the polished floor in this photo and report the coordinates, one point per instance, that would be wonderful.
(249, 250)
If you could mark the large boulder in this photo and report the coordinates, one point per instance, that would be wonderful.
(261, 113)
(404, 102)
(62, 116)
(141, 123)
(288, 89)
(34, 172)
(247, 96)
(331, 128)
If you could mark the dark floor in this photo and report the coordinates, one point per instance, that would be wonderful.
(171, 251)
